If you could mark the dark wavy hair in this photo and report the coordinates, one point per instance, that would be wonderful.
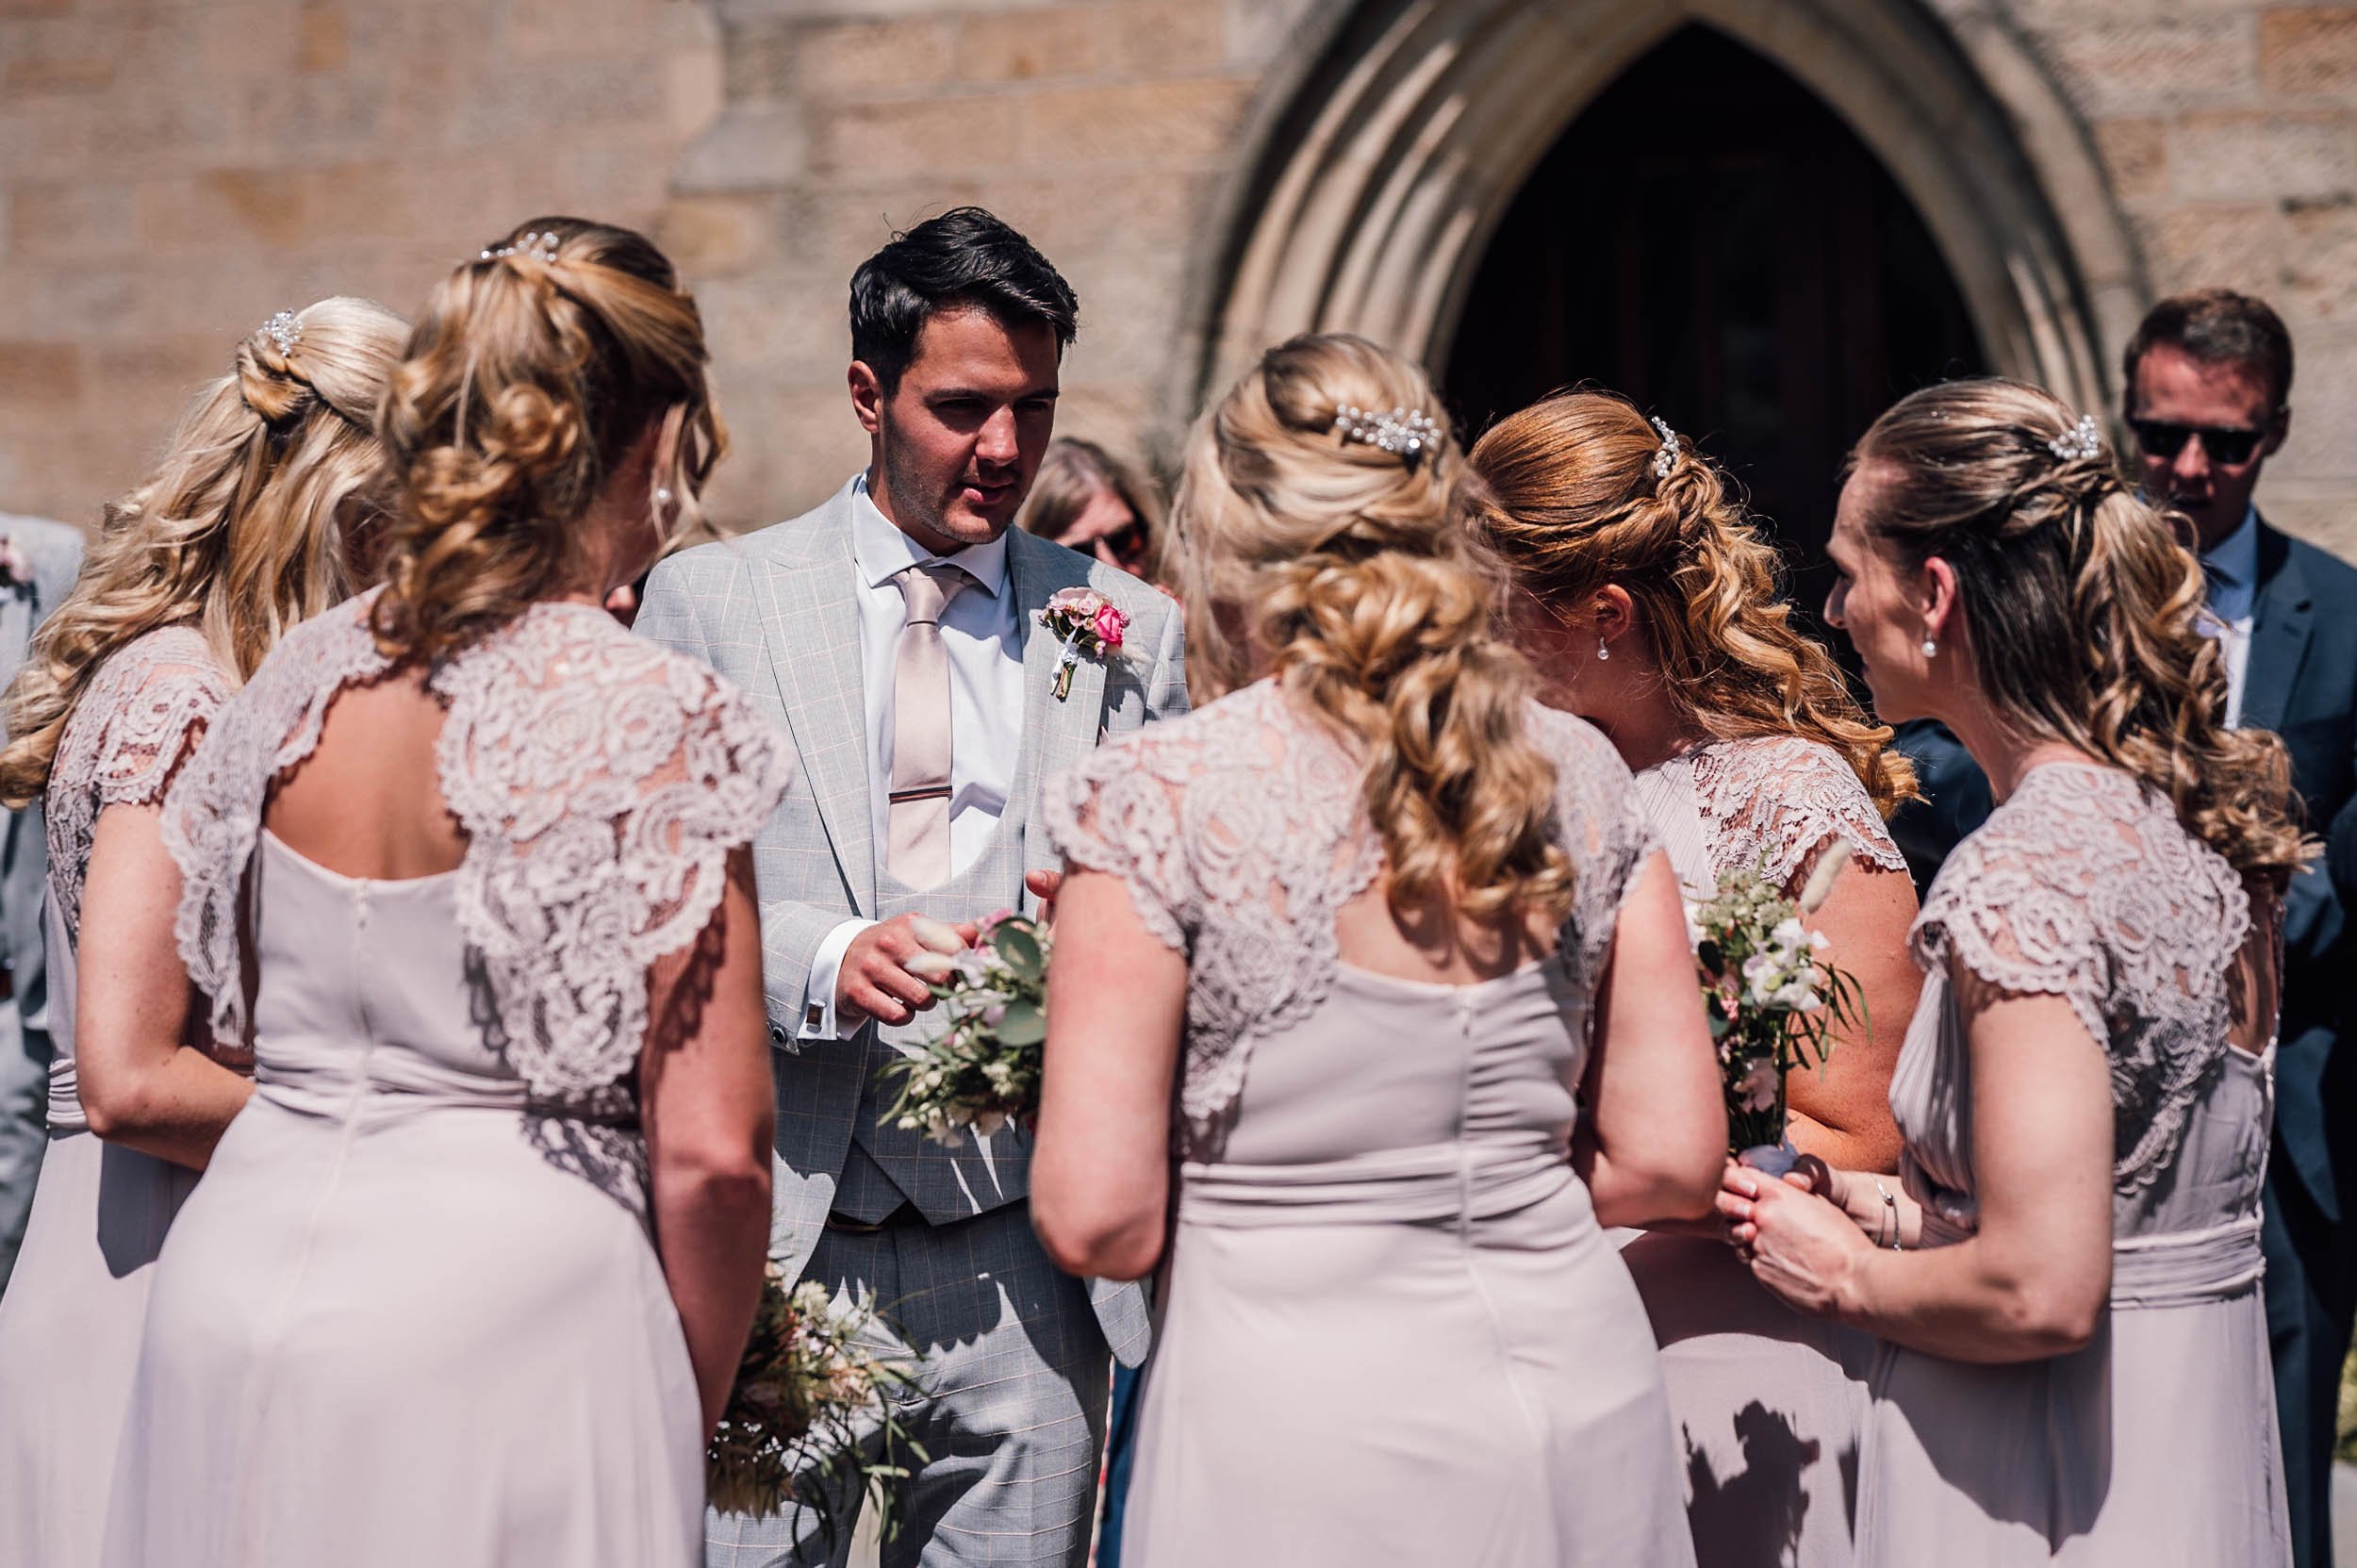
(966, 258)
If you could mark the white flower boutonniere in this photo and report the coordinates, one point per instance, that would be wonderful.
(15, 566)
(1085, 622)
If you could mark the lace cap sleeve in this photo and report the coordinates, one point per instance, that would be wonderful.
(1604, 830)
(1774, 801)
(1117, 811)
(602, 782)
(129, 737)
(2082, 887)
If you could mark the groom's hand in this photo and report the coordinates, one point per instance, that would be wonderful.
(874, 980)
(1044, 885)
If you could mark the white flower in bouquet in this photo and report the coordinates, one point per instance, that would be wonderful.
(983, 1069)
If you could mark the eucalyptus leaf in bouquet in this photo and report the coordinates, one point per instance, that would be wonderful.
(1773, 996)
(982, 1069)
(809, 1389)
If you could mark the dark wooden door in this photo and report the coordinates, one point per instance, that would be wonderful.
(1711, 239)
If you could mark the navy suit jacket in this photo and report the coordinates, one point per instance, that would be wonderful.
(2302, 684)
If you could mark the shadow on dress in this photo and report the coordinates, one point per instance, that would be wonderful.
(1752, 1519)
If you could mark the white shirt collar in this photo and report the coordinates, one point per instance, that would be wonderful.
(882, 550)
(2235, 561)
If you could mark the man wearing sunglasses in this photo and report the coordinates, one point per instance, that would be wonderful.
(2208, 379)
(2209, 402)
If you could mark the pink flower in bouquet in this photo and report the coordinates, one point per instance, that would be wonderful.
(16, 567)
(989, 923)
(1110, 624)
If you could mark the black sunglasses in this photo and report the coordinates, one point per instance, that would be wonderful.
(2161, 441)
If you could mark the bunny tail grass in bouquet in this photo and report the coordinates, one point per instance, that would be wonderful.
(984, 1067)
(1773, 998)
(807, 1390)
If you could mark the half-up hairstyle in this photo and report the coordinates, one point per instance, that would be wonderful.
(239, 532)
(2081, 605)
(1571, 495)
(533, 370)
(1335, 565)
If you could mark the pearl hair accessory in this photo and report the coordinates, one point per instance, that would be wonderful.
(541, 247)
(1403, 432)
(2083, 440)
(1666, 458)
(284, 330)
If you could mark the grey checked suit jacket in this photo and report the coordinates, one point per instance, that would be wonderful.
(775, 612)
(55, 553)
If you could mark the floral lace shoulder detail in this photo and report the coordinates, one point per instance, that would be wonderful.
(1241, 833)
(2083, 885)
(125, 743)
(602, 782)
(1774, 802)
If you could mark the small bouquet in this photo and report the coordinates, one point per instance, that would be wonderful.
(984, 1066)
(1084, 622)
(790, 1435)
(1771, 997)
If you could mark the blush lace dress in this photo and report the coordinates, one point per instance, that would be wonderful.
(413, 1314)
(70, 1323)
(1768, 1402)
(2155, 1445)
(1393, 1330)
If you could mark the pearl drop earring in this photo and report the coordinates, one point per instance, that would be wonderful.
(661, 495)
(1931, 649)
(1604, 650)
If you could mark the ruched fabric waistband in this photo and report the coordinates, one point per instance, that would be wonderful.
(2188, 1267)
(65, 1098)
(1402, 1186)
(329, 1082)
(2181, 1268)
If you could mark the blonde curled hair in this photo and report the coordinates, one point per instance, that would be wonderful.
(534, 371)
(1566, 493)
(2081, 604)
(241, 531)
(1337, 565)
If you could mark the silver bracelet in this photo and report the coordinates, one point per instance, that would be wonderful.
(1890, 1211)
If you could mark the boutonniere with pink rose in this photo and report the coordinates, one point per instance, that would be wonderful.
(1088, 625)
(16, 567)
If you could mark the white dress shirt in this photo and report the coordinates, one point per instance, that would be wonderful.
(2233, 570)
(981, 633)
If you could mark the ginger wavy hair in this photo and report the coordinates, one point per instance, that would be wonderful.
(533, 371)
(241, 531)
(2081, 605)
(1336, 566)
(1565, 494)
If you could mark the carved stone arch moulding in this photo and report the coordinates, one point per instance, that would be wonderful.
(1377, 175)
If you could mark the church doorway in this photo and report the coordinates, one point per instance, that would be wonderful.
(1709, 238)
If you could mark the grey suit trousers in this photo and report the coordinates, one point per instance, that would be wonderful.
(1014, 1376)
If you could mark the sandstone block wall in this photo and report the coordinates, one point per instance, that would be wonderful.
(174, 171)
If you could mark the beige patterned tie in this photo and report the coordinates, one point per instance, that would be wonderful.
(918, 823)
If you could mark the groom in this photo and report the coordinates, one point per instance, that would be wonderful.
(894, 634)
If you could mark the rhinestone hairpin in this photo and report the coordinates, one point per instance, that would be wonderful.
(1403, 432)
(1667, 457)
(541, 247)
(2083, 440)
(284, 330)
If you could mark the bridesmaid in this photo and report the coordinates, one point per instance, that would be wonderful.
(2084, 1093)
(240, 534)
(467, 1282)
(1652, 609)
(1380, 939)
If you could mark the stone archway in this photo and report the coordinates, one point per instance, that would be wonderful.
(1377, 182)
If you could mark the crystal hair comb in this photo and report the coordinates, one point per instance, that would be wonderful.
(1405, 433)
(541, 247)
(1666, 458)
(2083, 440)
(284, 330)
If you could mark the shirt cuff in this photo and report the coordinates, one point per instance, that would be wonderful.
(826, 968)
